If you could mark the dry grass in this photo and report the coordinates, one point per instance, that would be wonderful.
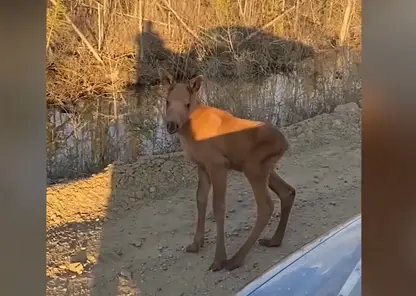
(202, 36)
(91, 69)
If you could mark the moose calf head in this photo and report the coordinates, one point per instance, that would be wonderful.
(181, 100)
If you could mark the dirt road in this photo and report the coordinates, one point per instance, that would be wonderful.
(125, 229)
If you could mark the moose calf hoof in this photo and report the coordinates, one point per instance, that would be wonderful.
(232, 264)
(217, 265)
(194, 247)
(267, 242)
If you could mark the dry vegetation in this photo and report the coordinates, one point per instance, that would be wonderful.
(97, 50)
(91, 45)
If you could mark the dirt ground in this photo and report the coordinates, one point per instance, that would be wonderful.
(123, 231)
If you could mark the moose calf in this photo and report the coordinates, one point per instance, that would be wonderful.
(217, 142)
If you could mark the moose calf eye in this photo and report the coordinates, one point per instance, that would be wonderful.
(167, 103)
(188, 105)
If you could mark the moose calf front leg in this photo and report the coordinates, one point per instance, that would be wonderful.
(202, 192)
(219, 185)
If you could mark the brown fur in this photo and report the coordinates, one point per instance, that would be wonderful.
(217, 142)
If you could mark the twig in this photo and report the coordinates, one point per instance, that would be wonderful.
(99, 25)
(202, 31)
(345, 22)
(83, 38)
(296, 18)
(240, 7)
(180, 20)
(141, 57)
(277, 18)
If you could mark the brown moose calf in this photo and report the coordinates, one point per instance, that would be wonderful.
(218, 142)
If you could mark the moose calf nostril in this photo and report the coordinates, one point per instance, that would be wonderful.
(171, 127)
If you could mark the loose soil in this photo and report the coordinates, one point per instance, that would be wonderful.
(123, 231)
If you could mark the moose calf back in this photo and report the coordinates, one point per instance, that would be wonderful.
(218, 134)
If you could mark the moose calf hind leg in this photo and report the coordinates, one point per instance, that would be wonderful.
(264, 212)
(286, 194)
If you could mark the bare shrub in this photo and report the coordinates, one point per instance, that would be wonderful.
(288, 59)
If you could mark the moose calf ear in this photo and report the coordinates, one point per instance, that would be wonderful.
(195, 83)
(165, 77)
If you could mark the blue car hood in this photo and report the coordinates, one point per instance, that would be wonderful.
(328, 266)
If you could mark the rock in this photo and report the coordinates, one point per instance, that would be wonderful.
(77, 267)
(347, 108)
(336, 122)
(137, 244)
(92, 259)
(79, 257)
(235, 232)
(247, 227)
(119, 251)
(126, 273)
(210, 216)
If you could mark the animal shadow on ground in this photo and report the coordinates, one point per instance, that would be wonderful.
(219, 54)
